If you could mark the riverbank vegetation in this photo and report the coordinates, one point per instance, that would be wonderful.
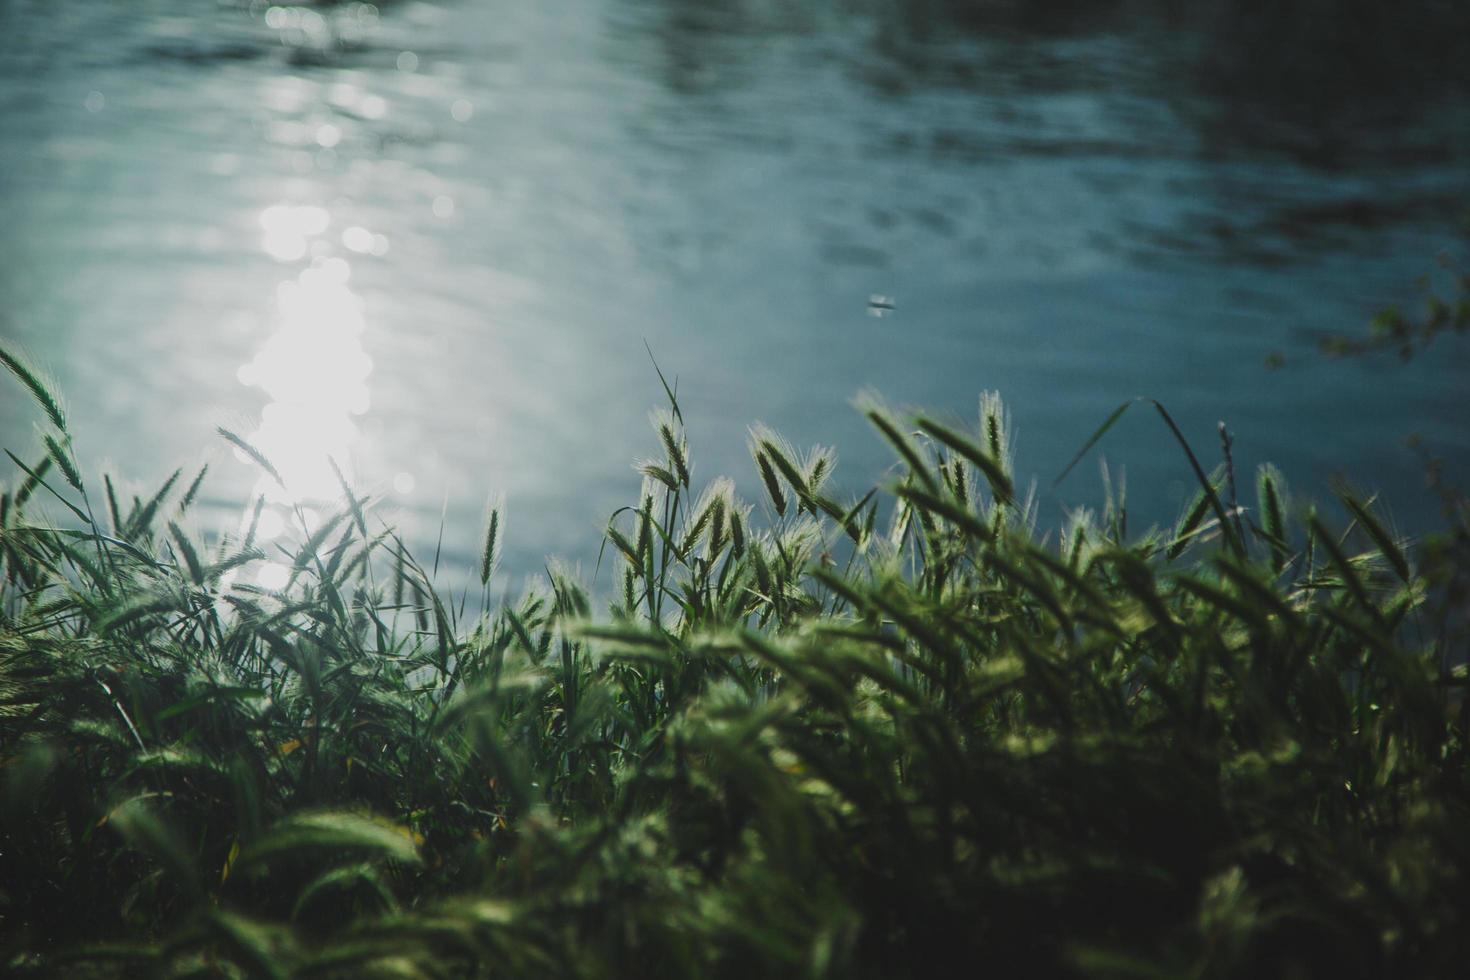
(908, 734)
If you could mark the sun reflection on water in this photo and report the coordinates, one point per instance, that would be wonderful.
(313, 367)
(288, 229)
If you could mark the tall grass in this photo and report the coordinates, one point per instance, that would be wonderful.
(899, 735)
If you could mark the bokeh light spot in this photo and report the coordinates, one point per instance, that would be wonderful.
(357, 239)
(373, 107)
(273, 576)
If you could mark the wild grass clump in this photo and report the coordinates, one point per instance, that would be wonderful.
(899, 735)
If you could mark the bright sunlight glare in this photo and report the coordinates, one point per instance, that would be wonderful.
(313, 368)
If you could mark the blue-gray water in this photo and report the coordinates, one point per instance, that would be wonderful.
(432, 239)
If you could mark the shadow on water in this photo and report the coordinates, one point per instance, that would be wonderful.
(1371, 94)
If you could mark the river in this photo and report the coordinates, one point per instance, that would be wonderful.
(431, 240)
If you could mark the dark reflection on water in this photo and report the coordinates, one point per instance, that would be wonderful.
(433, 238)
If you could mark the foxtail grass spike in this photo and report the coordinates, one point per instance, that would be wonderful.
(254, 525)
(40, 387)
(1380, 536)
(192, 492)
(61, 453)
(1271, 502)
(883, 420)
(112, 509)
(33, 480)
(670, 433)
(490, 553)
(140, 521)
(253, 453)
(187, 552)
(772, 482)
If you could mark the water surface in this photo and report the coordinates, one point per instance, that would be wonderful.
(432, 239)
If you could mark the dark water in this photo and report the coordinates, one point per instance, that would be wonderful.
(432, 239)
